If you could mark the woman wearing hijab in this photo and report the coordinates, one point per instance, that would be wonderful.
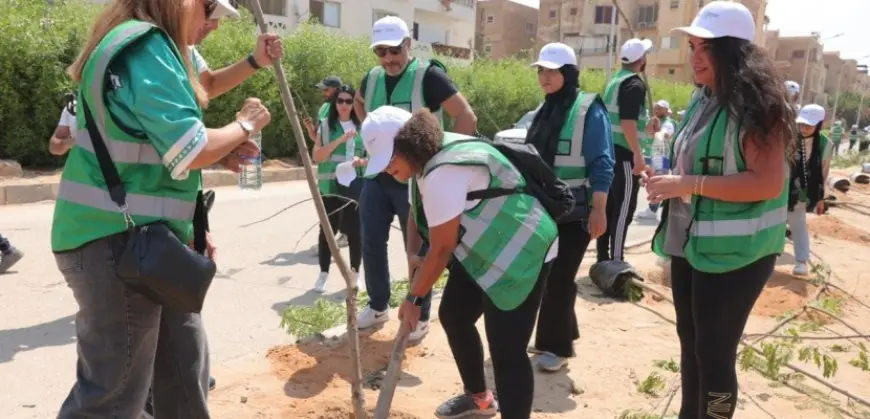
(724, 213)
(571, 131)
(809, 169)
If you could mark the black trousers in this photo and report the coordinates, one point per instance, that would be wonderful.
(507, 333)
(557, 320)
(712, 310)
(347, 221)
(621, 203)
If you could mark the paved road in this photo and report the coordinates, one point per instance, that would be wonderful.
(262, 269)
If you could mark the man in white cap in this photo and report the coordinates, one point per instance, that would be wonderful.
(661, 129)
(408, 83)
(625, 96)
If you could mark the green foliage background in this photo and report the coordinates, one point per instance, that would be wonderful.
(38, 42)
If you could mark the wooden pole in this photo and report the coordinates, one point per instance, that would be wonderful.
(394, 370)
(349, 278)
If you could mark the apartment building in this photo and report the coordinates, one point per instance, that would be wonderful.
(801, 59)
(446, 26)
(587, 26)
(505, 28)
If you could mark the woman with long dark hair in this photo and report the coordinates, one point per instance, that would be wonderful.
(806, 187)
(724, 215)
(571, 131)
(338, 141)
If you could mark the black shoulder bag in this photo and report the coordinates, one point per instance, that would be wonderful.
(152, 260)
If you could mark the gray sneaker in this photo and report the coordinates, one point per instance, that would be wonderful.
(464, 406)
(549, 362)
(9, 259)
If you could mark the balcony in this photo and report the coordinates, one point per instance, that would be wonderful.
(463, 10)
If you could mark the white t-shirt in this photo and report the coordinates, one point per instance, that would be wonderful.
(199, 63)
(67, 120)
(443, 204)
(668, 127)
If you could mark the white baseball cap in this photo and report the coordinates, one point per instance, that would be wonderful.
(792, 87)
(811, 115)
(634, 49)
(663, 104)
(722, 18)
(378, 133)
(222, 9)
(555, 55)
(389, 31)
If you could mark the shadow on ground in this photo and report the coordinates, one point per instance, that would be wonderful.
(54, 333)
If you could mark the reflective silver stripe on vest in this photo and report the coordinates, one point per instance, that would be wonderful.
(417, 100)
(325, 176)
(120, 151)
(326, 138)
(734, 228)
(371, 85)
(144, 205)
(732, 140)
(513, 248)
(576, 159)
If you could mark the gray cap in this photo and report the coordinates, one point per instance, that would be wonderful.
(329, 81)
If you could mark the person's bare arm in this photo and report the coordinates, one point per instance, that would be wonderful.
(359, 106)
(763, 179)
(443, 239)
(415, 241)
(320, 153)
(629, 129)
(61, 141)
(221, 81)
(460, 110)
(221, 141)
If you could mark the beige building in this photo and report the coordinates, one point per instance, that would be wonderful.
(505, 28)
(586, 26)
(805, 65)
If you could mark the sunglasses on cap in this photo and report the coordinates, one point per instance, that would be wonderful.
(383, 51)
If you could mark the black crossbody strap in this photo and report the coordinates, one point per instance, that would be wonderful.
(110, 173)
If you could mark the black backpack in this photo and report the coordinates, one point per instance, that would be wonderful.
(541, 182)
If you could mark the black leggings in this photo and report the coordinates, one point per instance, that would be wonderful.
(557, 321)
(507, 333)
(712, 310)
(346, 221)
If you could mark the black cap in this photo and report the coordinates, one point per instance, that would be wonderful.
(330, 81)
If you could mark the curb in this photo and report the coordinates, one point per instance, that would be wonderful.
(25, 193)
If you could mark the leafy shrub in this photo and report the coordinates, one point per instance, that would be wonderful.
(40, 41)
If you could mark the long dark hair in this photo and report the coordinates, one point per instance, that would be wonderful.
(332, 118)
(748, 84)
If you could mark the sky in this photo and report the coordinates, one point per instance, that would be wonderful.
(829, 17)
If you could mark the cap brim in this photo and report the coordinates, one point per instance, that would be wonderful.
(802, 120)
(224, 9)
(376, 164)
(546, 64)
(647, 44)
(695, 31)
(387, 43)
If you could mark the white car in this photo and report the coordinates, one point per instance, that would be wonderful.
(517, 134)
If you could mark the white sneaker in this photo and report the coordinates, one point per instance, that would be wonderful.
(320, 285)
(800, 268)
(370, 317)
(646, 214)
(341, 241)
(420, 332)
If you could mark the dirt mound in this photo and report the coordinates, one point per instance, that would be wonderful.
(833, 227)
(783, 292)
(341, 411)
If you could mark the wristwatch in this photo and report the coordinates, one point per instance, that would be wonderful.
(247, 126)
(417, 301)
(253, 62)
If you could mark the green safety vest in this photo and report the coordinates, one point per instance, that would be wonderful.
(326, 179)
(569, 164)
(323, 112)
(853, 136)
(408, 93)
(611, 99)
(84, 210)
(504, 240)
(837, 133)
(726, 236)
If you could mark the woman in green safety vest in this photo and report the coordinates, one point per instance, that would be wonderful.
(338, 142)
(572, 133)
(140, 96)
(806, 187)
(497, 252)
(724, 213)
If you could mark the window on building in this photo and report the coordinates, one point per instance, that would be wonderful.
(675, 4)
(670, 42)
(530, 27)
(603, 14)
(487, 49)
(490, 19)
(327, 13)
(270, 7)
(798, 53)
(573, 11)
(379, 14)
(671, 71)
(552, 13)
(415, 32)
(648, 14)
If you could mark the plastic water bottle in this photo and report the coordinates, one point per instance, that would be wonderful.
(659, 150)
(251, 176)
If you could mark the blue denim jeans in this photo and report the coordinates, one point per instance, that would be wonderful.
(382, 199)
(119, 353)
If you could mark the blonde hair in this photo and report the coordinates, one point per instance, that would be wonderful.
(169, 15)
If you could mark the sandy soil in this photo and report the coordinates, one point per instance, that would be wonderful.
(619, 346)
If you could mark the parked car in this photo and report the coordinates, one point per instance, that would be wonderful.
(517, 134)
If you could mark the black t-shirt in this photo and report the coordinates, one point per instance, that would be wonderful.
(632, 94)
(437, 86)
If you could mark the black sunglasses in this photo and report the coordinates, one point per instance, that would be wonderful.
(344, 101)
(382, 51)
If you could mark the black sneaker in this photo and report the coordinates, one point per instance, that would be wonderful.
(463, 406)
